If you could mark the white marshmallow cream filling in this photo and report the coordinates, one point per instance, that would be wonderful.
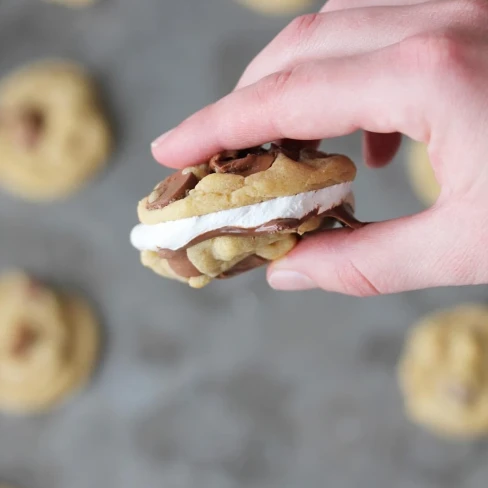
(176, 234)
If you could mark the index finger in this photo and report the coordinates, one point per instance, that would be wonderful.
(335, 97)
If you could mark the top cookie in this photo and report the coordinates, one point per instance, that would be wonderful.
(53, 135)
(238, 178)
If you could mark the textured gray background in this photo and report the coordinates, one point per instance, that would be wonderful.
(235, 385)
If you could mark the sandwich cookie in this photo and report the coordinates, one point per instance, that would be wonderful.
(241, 210)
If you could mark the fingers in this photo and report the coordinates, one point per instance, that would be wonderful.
(380, 149)
(339, 33)
(313, 101)
(333, 5)
(405, 254)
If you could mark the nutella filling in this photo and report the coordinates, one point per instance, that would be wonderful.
(342, 213)
(181, 264)
(247, 264)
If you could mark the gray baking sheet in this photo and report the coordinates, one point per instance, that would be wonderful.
(235, 385)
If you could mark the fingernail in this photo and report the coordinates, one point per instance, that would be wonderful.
(160, 139)
(290, 281)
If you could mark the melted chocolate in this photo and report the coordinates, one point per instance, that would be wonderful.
(181, 264)
(251, 262)
(342, 213)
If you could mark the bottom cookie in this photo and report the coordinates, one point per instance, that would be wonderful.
(48, 345)
(444, 371)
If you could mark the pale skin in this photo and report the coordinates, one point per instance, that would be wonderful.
(386, 67)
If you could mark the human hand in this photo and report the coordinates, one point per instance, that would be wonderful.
(418, 68)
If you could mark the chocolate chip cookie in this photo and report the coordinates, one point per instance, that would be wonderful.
(48, 344)
(444, 371)
(421, 173)
(53, 133)
(240, 210)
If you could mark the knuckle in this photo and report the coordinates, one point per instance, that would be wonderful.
(269, 94)
(301, 27)
(354, 282)
(435, 55)
(274, 86)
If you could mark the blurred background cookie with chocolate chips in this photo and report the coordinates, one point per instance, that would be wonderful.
(48, 344)
(421, 173)
(443, 372)
(54, 135)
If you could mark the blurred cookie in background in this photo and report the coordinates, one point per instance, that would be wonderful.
(48, 344)
(73, 3)
(278, 7)
(421, 173)
(54, 135)
(444, 371)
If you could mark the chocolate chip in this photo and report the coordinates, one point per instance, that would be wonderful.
(25, 338)
(245, 162)
(173, 188)
(460, 393)
(25, 126)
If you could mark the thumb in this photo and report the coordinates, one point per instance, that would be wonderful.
(430, 249)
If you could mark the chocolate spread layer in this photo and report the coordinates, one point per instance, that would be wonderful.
(181, 264)
(251, 262)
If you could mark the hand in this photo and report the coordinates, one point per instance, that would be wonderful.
(413, 67)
